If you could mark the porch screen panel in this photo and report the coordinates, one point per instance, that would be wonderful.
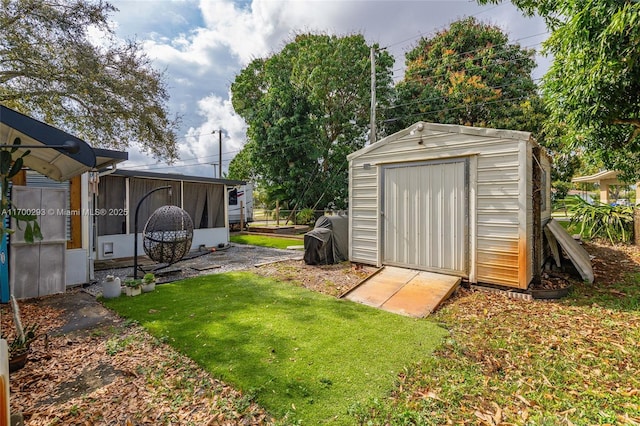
(215, 205)
(195, 198)
(111, 198)
(138, 188)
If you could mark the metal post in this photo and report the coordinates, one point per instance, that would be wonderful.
(220, 153)
(135, 229)
(372, 135)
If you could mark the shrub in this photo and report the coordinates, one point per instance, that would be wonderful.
(306, 217)
(601, 220)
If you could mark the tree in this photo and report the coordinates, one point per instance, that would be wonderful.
(471, 75)
(593, 85)
(108, 95)
(240, 167)
(307, 107)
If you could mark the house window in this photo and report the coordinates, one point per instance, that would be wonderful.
(543, 190)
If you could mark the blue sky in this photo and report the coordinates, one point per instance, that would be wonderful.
(203, 45)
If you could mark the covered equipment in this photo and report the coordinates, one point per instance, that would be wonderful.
(328, 242)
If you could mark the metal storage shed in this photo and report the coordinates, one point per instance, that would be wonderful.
(451, 199)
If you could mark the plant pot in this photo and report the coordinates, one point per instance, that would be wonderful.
(133, 291)
(147, 287)
(551, 293)
(111, 289)
(16, 362)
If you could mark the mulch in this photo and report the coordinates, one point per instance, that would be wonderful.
(88, 369)
(89, 366)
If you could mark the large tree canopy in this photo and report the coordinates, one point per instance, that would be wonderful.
(469, 74)
(307, 107)
(108, 95)
(593, 85)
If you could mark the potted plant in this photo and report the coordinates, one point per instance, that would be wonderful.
(18, 349)
(133, 287)
(148, 282)
(112, 287)
(20, 346)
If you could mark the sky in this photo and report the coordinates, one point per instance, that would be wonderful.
(202, 45)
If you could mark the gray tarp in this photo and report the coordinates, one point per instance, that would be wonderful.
(328, 242)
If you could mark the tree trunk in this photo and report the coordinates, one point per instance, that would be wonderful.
(636, 225)
(536, 179)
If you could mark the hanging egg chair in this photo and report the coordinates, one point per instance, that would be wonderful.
(168, 234)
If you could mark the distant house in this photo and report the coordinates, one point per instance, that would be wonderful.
(582, 194)
(605, 180)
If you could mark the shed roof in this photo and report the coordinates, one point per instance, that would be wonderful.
(175, 176)
(423, 127)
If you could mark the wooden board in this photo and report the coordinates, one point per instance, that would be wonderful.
(380, 287)
(404, 291)
(553, 244)
(577, 254)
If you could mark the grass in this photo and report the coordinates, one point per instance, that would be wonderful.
(304, 356)
(570, 362)
(266, 241)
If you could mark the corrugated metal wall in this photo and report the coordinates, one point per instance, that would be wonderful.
(426, 226)
(500, 227)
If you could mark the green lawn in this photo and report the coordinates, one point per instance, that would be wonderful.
(266, 241)
(513, 362)
(304, 356)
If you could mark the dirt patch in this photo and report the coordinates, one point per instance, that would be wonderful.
(328, 279)
(87, 381)
(612, 263)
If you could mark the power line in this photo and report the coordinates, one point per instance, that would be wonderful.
(418, 114)
(438, 30)
(436, 98)
(507, 46)
(199, 159)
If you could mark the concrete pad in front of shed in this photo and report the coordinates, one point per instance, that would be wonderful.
(404, 291)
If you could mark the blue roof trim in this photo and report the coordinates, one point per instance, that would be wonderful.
(110, 153)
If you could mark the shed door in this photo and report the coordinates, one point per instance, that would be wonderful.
(425, 216)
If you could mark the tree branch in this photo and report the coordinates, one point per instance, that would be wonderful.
(633, 121)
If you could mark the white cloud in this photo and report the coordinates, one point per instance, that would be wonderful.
(202, 142)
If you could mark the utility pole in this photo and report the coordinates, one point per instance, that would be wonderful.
(372, 135)
(219, 152)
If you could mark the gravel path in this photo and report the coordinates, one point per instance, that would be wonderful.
(233, 258)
